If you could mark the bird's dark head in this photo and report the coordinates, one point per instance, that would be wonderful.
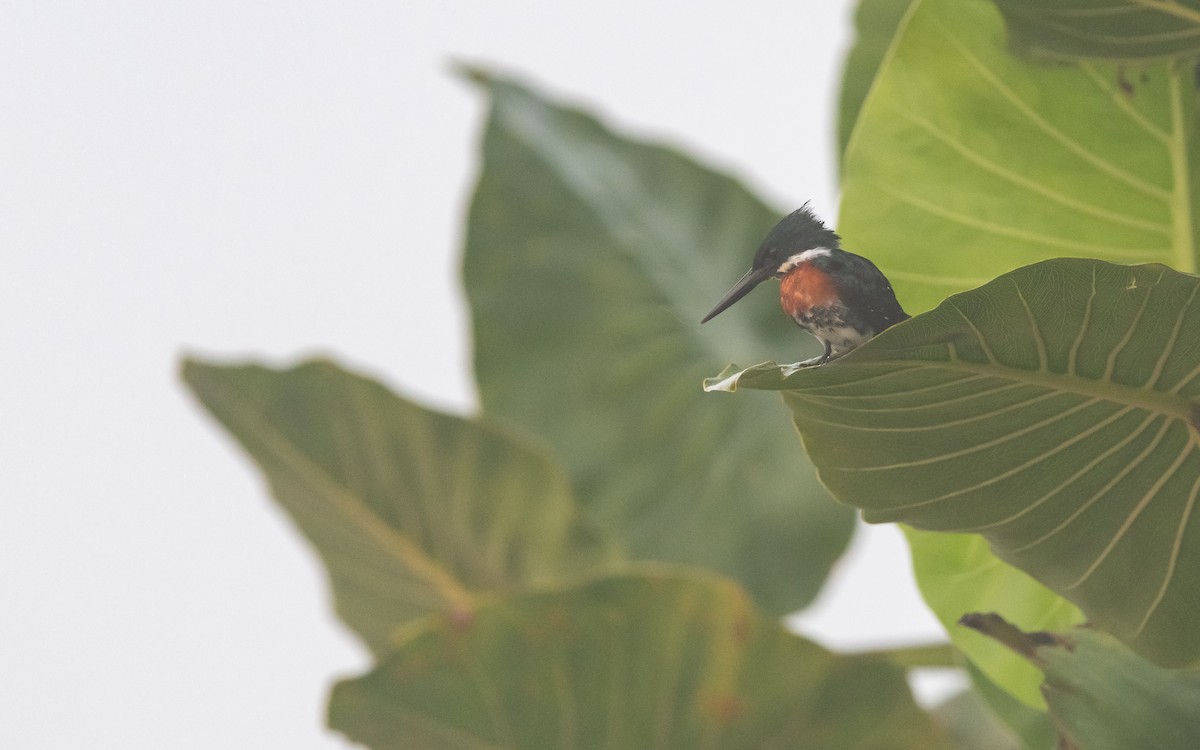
(797, 237)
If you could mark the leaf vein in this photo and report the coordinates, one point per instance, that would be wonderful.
(940, 425)
(1041, 123)
(975, 448)
(1018, 469)
(1134, 514)
(1002, 230)
(1129, 466)
(1033, 186)
(1176, 545)
(1072, 357)
(1034, 330)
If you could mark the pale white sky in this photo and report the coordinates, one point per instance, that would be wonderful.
(272, 180)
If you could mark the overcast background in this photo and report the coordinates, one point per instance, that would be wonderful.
(274, 180)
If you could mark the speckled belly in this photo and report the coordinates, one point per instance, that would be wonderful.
(827, 323)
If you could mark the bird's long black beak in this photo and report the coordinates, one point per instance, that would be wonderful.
(753, 278)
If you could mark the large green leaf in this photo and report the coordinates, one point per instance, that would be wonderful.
(956, 574)
(412, 511)
(1052, 410)
(1101, 695)
(968, 162)
(650, 660)
(876, 23)
(1114, 29)
(590, 260)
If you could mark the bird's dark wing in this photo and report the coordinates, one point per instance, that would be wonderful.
(867, 292)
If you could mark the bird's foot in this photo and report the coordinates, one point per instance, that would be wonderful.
(788, 370)
(817, 361)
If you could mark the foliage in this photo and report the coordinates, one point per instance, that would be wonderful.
(601, 557)
(647, 659)
(1101, 695)
(957, 573)
(593, 256)
(413, 511)
(1051, 411)
(967, 162)
(1115, 29)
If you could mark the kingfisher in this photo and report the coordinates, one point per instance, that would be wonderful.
(841, 298)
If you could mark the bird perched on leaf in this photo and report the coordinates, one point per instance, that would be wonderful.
(837, 296)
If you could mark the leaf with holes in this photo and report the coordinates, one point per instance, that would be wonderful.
(654, 659)
(413, 511)
(1114, 29)
(1054, 412)
(590, 259)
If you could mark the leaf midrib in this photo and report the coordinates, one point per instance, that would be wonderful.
(233, 410)
(1143, 398)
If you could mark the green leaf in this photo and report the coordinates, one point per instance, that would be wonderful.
(875, 23)
(1113, 29)
(958, 574)
(1101, 695)
(412, 511)
(968, 162)
(590, 260)
(1031, 727)
(968, 725)
(1052, 410)
(649, 660)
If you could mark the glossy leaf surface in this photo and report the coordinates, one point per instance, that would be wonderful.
(650, 660)
(1051, 410)
(590, 260)
(412, 511)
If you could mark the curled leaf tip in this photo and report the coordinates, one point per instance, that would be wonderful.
(720, 383)
(726, 381)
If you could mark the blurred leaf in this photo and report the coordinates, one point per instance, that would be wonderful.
(590, 260)
(968, 725)
(875, 23)
(1101, 695)
(958, 574)
(919, 655)
(412, 511)
(652, 660)
(1113, 29)
(1054, 411)
(1032, 727)
(968, 162)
